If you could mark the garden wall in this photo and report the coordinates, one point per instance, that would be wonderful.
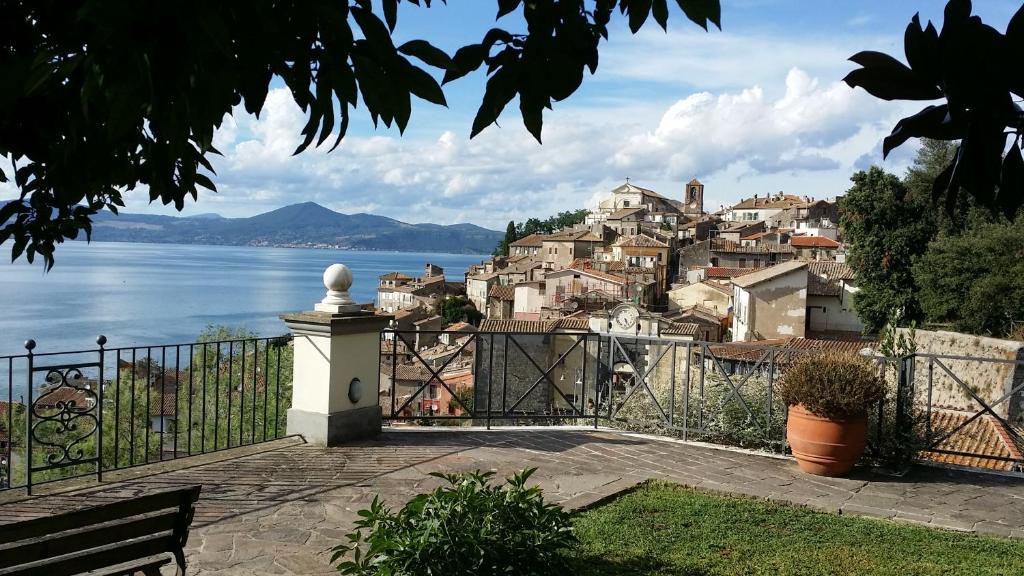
(989, 380)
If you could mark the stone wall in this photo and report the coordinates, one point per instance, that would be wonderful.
(989, 380)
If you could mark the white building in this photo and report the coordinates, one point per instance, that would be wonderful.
(770, 303)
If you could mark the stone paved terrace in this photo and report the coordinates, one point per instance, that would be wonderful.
(279, 506)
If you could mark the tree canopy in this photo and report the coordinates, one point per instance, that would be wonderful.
(886, 228)
(101, 96)
(551, 224)
(912, 257)
(977, 71)
(975, 280)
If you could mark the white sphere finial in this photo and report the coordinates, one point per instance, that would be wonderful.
(337, 280)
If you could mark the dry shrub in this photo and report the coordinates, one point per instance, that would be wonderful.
(832, 385)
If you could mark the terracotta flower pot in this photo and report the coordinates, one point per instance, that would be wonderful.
(823, 446)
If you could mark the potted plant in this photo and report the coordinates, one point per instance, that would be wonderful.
(828, 397)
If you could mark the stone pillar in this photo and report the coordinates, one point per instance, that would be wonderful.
(336, 368)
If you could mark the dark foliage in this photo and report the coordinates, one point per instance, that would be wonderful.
(101, 96)
(977, 70)
(975, 280)
(887, 227)
(467, 528)
(460, 309)
(832, 385)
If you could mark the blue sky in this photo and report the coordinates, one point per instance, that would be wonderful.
(757, 107)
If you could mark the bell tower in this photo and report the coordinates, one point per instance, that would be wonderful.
(693, 198)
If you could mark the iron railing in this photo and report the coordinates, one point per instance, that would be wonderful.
(85, 412)
(707, 391)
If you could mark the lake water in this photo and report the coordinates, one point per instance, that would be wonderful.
(148, 294)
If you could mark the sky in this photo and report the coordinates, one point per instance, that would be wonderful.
(755, 108)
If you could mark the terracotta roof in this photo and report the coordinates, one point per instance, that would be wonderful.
(823, 278)
(502, 292)
(534, 326)
(483, 277)
(531, 241)
(693, 182)
(717, 286)
(572, 235)
(416, 372)
(570, 323)
(752, 351)
(765, 274)
(813, 242)
(640, 241)
(590, 272)
(627, 187)
(839, 346)
(395, 276)
(682, 329)
(701, 311)
(167, 407)
(984, 436)
(770, 201)
(461, 327)
(722, 245)
(722, 272)
(50, 398)
(623, 212)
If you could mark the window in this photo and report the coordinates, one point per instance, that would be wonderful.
(433, 391)
(625, 203)
(743, 262)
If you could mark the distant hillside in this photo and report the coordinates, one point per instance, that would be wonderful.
(306, 224)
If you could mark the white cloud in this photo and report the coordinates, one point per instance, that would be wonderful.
(806, 140)
(704, 133)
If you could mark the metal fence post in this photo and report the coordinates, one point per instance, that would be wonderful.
(29, 345)
(100, 340)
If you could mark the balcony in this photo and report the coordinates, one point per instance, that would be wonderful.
(596, 414)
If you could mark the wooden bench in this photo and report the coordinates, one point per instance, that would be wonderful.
(126, 537)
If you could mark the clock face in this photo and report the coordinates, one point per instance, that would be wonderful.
(625, 318)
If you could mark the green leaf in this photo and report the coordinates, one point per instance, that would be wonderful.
(931, 122)
(424, 86)
(506, 7)
(923, 51)
(429, 54)
(205, 182)
(501, 88)
(466, 59)
(659, 9)
(700, 12)
(390, 8)
(638, 12)
(889, 79)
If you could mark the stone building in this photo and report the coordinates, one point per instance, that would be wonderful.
(770, 303)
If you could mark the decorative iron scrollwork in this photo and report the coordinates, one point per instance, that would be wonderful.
(67, 405)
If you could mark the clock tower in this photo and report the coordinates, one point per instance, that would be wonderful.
(693, 198)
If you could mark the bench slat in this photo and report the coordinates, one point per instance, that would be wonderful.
(97, 558)
(95, 514)
(131, 534)
(70, 541)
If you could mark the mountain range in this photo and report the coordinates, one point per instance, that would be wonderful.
(307, 224)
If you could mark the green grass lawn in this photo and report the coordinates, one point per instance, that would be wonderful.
(668, 529)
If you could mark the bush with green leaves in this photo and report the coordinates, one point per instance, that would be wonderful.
(832, 385)
(467, 527)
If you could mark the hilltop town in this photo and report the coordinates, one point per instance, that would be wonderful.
(769, 267)
(644, 264)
